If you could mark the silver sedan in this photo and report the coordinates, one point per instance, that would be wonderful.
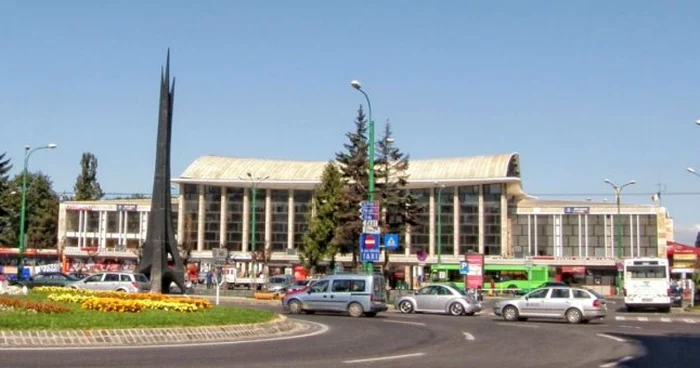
(439, 299)
(575, 305)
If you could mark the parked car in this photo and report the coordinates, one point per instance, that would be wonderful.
(114, 281)
(279, 283)
(575, 305)
(355, 294)
(440, 299)
(56, 279)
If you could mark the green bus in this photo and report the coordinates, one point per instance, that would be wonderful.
(513, 279)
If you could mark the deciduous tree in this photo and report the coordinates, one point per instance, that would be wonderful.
(86, 185)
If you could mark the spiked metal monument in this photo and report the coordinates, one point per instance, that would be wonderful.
(160, 239)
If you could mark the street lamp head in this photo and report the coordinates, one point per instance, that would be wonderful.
(249, 175)
(52, 145)
(390, 140)
(691, 170)
(607, 181)
(697, 122)
(632, 182)
(26, 148)
(356, 84)
(265, 178)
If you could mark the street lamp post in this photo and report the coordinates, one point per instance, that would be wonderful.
(618, 229)
(370, 182)
(27, 153)
(440, 187)
(254, 182)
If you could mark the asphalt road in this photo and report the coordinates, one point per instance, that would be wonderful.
(396, 340)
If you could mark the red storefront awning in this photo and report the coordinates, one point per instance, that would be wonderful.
(678, 248)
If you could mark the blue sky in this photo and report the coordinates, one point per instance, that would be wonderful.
(583, 90)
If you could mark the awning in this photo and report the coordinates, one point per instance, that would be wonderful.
(673, 248)
(573, 269)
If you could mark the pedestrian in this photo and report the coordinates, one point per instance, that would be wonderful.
(210, 275)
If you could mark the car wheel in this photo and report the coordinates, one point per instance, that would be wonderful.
(456, 309)
(510, 313)
(355, 310)
(406, 307)
(294, 306)
(573, 315)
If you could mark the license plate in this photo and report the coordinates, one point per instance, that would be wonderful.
(647, 300)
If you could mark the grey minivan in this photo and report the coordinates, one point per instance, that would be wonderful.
(356, 294)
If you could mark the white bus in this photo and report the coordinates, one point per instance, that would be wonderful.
(646, 284)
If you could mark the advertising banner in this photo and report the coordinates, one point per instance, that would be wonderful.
(475, 274)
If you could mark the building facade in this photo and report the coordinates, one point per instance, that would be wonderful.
(479, 200)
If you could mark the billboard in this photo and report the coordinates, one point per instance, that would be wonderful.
(475, 275)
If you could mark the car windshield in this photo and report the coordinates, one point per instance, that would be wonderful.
(596, 294)
(72, 278)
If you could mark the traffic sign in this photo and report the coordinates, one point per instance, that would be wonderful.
(463, 268)
(369, 247)
(371, 227)
(369, 211)
(391, 241)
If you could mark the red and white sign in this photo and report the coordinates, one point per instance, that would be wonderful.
(475, 277)
(369, 242)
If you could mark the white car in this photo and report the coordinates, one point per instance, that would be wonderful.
(439, 299)
(114, 281)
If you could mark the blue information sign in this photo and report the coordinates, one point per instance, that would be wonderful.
(463, 268)
(391, 241)
(369, 247)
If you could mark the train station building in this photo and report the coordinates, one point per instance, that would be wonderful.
(481, 204)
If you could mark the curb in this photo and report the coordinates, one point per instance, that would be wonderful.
(280, 326)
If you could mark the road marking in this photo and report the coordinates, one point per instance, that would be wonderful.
(620, 318)
(688, 320)
(635, 327)
(468, 336)
(323, 329)
(618, 339)
(615, 363)
(643, 319)
(405, 322)
(392, 357)
(516, 325)
(665, 319)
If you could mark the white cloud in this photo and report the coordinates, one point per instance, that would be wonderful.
(686, 234)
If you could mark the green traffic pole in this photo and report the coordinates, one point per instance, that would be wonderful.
(439, 227)
(369, 266)
(20, 255)
(618, 242)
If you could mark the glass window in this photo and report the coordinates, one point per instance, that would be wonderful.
(341, 286)
(492, 219)
(133, 222)
(140, 277)
(125, 278)
(560, 293)
(420, 234)
(280, 219)
(443, 291)
(580, 294)
(357, 286)
(646, 272)
(234, 219)
(428, 290)
(320, 287)
(112, 221)
(302, 212)
(444, 207)
(212, 216)
(94, 278)
(468, 218)
(93, 221)
(73, 220)
(190, 196)
(538, 294)
(111, 277)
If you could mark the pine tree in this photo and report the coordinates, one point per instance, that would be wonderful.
(86, 186)
(5, 168)
(318, 242)
(396, 200)
(354, 169)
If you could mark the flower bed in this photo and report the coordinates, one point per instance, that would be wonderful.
(37, 307)
(112, 301)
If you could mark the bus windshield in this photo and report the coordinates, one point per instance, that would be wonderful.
(646, 272)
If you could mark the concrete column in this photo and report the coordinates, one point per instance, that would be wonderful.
(290, 220)
(181, 216)
(200, 219)
(268, 219)
(120, 222)
(80, 228)
(431, 224)
(407, 241)
(455, 223)
(245, 247)
(103, 229)
(482, 231)
(222, 224)
(505, 239)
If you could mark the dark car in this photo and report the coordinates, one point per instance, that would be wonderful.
(57, 279)
(79, 275)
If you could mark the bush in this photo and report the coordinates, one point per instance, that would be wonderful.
(38, 307)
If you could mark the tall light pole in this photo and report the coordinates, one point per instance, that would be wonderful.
(370, 193)
(254, 182)
(440, 187)
(618, 228)
(692, 171)
(27, 153)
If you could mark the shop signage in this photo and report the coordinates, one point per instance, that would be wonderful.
(576, 210)
(127, 207)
